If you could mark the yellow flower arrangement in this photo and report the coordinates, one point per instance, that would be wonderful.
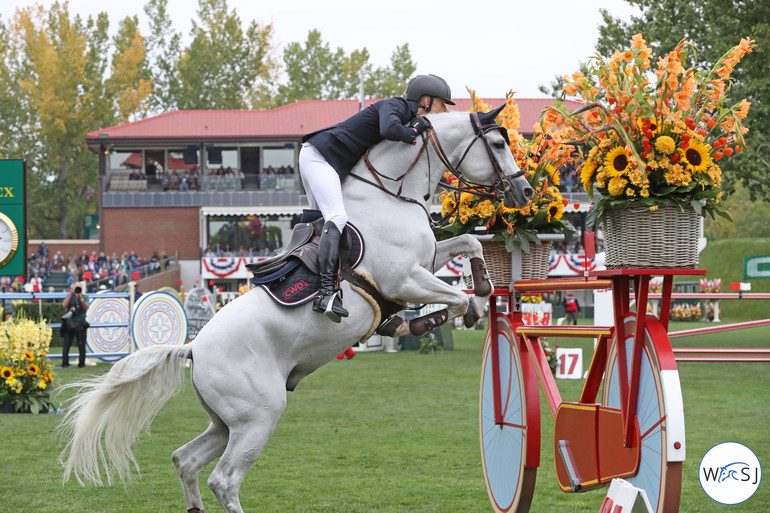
(655, 134)
(25, 371)
(541, 157)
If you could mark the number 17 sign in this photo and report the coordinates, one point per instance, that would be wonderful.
(570, 363)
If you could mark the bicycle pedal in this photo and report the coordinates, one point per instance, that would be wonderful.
(569, 464)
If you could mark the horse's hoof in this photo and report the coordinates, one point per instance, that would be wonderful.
(471, 316)
(195, 510)
(482, 284)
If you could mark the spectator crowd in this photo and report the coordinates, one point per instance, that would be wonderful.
(93, 269)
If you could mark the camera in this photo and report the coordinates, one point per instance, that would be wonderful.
(78, 290)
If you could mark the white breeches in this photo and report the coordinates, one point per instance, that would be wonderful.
(322, 185)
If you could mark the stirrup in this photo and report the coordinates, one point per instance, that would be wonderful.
(331, 306)
(389, 326)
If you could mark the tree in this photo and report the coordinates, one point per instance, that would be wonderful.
(163, 53)
(713, 26)
(224, 63)
(387, 82)
(58, 85)
(316, 72)
(311, 70)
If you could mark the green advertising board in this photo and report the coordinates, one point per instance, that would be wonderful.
(756, 267)
(13, 219)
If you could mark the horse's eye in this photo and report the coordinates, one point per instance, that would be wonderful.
(500, 144)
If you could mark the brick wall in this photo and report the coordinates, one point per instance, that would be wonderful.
(144, 230)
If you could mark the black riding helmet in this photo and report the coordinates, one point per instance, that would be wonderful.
(429, 85)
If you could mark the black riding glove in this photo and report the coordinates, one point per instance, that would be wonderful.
(420, 124)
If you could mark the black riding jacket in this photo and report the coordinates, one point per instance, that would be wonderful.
(343, 144)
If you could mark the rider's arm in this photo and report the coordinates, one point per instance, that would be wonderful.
(394, 114)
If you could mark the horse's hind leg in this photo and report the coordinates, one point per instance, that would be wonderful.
(192, 458)
(250, 429)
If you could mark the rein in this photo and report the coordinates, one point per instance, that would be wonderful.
(494, 191)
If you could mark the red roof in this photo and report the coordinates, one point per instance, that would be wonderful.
(287, 122)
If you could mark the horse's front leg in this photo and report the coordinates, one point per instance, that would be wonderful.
(469, 247)
(420, 286)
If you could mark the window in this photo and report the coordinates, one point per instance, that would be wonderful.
(222, 157)
(243, 235)
(125, 160)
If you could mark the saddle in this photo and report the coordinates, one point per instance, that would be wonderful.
(291, 278)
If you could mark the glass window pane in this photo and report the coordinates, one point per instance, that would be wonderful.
(125, 160)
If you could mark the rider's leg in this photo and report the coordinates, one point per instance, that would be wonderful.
(322, 183)
(329, 298)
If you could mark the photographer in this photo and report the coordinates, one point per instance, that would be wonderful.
(74, 324)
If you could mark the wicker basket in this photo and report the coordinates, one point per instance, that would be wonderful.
(667, 238)
(534, 265)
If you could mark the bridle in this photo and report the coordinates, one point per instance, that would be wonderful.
(495, 191)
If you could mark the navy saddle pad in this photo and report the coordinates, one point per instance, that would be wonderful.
(295, 284)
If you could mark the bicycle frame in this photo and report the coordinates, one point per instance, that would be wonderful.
(584, 421)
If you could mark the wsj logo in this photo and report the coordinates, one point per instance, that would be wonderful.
(730, 473)
(737, 471)
(6, 192)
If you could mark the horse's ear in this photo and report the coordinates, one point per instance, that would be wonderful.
(488, 118)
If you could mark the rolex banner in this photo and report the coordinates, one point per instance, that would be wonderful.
(13, 218)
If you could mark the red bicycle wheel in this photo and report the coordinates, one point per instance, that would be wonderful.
(659, 410)
(510, 485)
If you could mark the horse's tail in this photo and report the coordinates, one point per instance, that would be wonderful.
(108, 412)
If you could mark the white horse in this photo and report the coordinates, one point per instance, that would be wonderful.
(253, 350)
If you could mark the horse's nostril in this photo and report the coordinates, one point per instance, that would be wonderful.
(529, 192)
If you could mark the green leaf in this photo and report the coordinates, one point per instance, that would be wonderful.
(695, 204)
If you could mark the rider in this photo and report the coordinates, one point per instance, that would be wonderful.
(328, 155)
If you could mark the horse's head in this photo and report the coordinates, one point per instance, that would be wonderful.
(485, 159)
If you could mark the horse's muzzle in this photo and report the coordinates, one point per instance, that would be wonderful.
(515, 191)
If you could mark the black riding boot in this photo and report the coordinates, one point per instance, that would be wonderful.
(329, 298)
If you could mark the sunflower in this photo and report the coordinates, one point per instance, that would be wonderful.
(553, 173)
(653, 125)
(448, 204)
(617, 162)
(6, 372)
(28, 356)
(696, 157)
(32, 369)
(587, 173)
(555, 209)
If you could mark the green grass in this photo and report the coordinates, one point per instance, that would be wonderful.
(724, 260)
(382, 433)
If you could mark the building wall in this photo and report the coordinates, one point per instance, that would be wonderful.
(145, 230)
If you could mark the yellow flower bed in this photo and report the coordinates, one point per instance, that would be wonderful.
(25, 371)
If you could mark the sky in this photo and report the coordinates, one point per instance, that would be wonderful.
(492, 46)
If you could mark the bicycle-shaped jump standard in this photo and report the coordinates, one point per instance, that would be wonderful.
(636, 430)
